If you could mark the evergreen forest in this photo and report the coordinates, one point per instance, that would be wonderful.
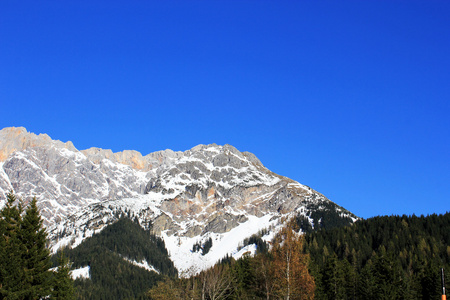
(108, 254)
(390, 257)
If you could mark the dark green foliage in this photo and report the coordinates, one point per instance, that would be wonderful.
(204, 248)
(255, 239)
(304, 224)
(326, 216)
(196, 247)
(226, 260)
(249, 277)
(333, 278)
(24, 257)
(64, 288)
(36, 256)
(207, 246)
(12, 273)
(246, 286)
(113, 277)
(381, 258)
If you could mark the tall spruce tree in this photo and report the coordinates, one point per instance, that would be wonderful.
(36, 258)
(63, 284)
(12, 249)
(24, 257)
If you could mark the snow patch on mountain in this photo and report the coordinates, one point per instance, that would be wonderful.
(247, 250)
(190, 263)
(143, 264)
(81, 273)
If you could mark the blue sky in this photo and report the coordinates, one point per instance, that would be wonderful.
(351, 98)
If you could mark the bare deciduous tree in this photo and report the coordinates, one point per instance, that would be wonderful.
(290, 266)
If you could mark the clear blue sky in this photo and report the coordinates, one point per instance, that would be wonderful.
(351, 98)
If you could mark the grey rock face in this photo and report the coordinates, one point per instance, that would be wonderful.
(207, 189)
(63, 180)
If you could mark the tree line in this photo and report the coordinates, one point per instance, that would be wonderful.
(24, 257)
(390, 257)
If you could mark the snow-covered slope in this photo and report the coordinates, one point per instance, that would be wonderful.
(209, 191)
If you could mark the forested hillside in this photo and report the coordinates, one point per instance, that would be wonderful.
(381, 258)
(108, 253)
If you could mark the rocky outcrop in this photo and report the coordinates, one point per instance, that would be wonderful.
(17, 139)
(132, 158)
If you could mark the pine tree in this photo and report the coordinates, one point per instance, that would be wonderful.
(2, 253)
(264, 274)
(386, 275)
(333, 278)
(63, 283)
(37, 281)
(367, 284)
(244, 274)
(12, 250)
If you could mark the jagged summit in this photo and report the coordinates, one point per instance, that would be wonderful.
(17, 138)
(64, 178)
(207, 191)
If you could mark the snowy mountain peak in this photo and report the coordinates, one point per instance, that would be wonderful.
(209, 191)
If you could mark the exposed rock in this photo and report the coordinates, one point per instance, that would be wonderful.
(208, 189)
(17, 138)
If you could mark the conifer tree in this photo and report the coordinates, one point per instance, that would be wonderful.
(333, 278)
(367, 285)
(243, 272)
(63, 283)
(264, 274)
(386, 275)
(36, 258)
(24, 257)
(12, 250)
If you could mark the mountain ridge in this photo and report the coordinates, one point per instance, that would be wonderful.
(209, 191)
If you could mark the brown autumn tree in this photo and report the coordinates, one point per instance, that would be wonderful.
(217, 282)
(165, 290)
(290, 266)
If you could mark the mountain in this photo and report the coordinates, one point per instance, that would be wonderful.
(208, 193)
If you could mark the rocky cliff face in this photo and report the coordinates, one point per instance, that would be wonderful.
(207, 191)
(62, 178)
(17, 139)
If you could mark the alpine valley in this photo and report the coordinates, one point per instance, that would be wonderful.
(209, 195)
